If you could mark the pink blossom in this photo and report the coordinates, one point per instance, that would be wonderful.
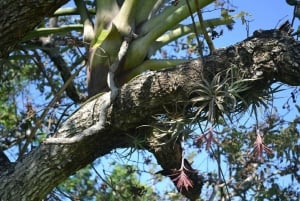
(259, 146)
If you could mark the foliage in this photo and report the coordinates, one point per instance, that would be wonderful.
(38, 92)
(119, 184)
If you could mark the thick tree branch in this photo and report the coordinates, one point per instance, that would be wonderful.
(15, 14)
(269, 56)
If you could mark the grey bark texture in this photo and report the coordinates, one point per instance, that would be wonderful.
(19, 17)
(269, 55)
(272, 55)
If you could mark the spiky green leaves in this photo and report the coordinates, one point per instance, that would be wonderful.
(221, 96)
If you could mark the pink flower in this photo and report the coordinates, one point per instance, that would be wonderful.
(182, 180)
(259, 146)
(181, 177)
(207, 137)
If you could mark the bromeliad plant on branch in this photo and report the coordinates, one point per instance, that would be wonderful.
(136, 100)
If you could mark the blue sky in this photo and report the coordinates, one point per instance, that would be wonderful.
(265, 14)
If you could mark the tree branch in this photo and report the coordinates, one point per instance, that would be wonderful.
(16, 14)
(269, 55)
(65, 73)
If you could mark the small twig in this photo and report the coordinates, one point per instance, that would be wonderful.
(220, 171)
(50, 105)
(109, 184)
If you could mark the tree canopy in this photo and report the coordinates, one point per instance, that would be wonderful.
(84, 79)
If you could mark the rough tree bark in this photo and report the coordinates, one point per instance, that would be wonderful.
(270, 55)
(19, 17)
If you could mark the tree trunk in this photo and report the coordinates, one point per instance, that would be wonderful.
(268, 57)
(17, 18)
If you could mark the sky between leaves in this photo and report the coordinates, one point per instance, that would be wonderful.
(265, 14)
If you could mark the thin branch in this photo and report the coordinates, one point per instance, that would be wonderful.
(61, 65)
(138, 101)
(38, 62)
(46, 110)
(106, 102)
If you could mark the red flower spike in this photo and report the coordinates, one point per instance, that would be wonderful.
(207, 137)
(259, 146)
(181, 176)
(182, 180)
